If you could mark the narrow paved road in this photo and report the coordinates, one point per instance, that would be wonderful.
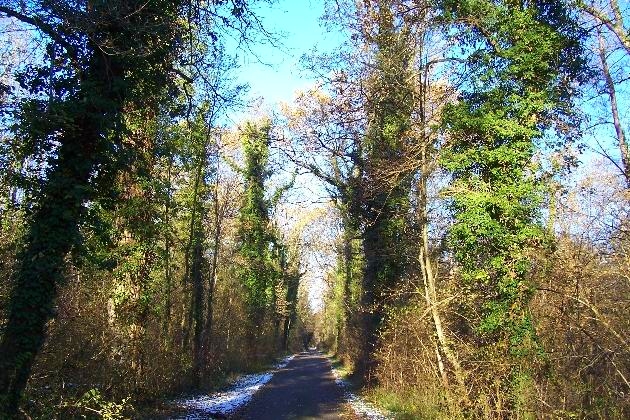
(304, 389)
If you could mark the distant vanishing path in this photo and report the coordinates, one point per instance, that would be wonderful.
(304, 389)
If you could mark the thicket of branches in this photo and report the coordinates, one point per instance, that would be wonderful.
(475, 157)
(475, 277)
(125, 209)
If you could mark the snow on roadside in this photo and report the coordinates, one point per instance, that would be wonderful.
(226, 402)
(361, 407)
(284, 362)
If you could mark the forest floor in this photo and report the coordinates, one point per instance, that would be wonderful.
(301, 387)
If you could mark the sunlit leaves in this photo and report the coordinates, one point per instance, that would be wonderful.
(514, 96)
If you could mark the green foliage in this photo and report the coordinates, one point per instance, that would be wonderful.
(257, 243)
(343, 300)
(96, 406)
(268, 267)
(410, 404)
(115, 161)
(522, 66)
(389, 111)
(74, 129)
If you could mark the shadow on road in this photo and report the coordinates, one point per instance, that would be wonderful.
(304, 389)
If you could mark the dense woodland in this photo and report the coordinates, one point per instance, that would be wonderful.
(473, 240)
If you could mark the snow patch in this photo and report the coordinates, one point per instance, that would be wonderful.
(361, 407)
(284, 362)
(222, 404)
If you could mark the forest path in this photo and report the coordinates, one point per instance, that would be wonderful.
(304, 389)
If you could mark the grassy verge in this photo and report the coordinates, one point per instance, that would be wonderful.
(400, 403)
(409, 404)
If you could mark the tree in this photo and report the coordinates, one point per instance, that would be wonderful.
(107, 61)
(364, 126)
(389, 107)
(522, 61)
(85, 119)
(256, 243)
(611, 44)
(196, 264)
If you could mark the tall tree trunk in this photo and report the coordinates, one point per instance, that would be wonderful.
(88, 110)
(371, 309)
(430, 289)
(198, 301)
(212, 280)
(53, 229)
(167, 250)
(189, 308)
(614, 108)
(196, 313)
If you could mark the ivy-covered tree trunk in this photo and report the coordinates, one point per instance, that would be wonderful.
(371, 308)
(53, 227)
(525, 57)
(350, 271)
(290, 283)
(255, 239)
(93, 87)
(387, 184)
(290, 317)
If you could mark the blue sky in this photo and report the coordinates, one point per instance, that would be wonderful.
(273, 72)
